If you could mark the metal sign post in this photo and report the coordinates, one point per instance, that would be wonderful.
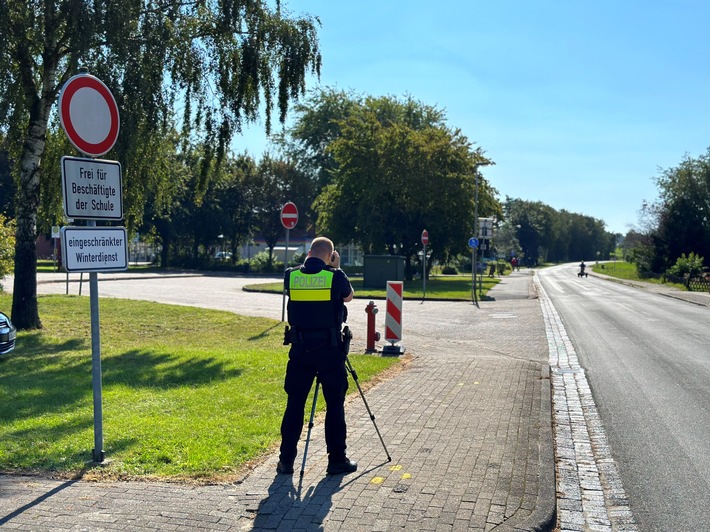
(473, 244)
(425, 241)
(98, 453)
(283, 299)
(289, 219)
(92, 190)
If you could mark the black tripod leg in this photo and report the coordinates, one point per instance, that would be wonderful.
(310, 426)
(352, 371)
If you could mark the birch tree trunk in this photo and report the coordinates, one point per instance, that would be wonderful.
(25, 313)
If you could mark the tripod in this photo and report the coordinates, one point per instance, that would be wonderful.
(352, 371)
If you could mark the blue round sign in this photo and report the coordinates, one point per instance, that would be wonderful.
(473, 242)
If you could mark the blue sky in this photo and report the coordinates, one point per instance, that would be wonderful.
(580, 104)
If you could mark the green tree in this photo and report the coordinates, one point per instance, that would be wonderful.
(319, 121)
(398, 170)
(221, 61)
(557, 236)
(7, 186)
(7, 245)
(638, 249)
(535, 222)
(238, 193)
(277, 182)
(689, 266)
(682, 213)
(163, 204)
(506, 242)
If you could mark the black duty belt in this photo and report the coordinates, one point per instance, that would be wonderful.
(314, 335)
(297, 336)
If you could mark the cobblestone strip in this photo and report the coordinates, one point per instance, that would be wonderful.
(590, 495)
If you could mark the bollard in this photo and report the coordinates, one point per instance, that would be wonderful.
(372, 335)
(393, 319)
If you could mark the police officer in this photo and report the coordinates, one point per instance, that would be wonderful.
(317, 292)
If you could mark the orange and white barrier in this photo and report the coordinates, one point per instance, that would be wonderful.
(393, 318)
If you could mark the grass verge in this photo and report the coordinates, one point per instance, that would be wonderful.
(619, 269)
(454, 288)
(187, 393)
(627, 270)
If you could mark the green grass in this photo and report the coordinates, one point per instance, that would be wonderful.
(187, 393)
(618, 269)
(455, 288)
(627, 270)
(46, 266)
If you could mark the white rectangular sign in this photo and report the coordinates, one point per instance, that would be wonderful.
(94, 249)
(92, 189)
(485, 228)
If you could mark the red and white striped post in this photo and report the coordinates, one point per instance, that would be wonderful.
(393, 319)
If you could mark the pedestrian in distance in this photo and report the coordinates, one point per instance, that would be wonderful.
(318, 291)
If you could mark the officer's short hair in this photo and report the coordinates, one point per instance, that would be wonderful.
(322, 245)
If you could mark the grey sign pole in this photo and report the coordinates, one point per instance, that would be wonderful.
(283, 301)
(424, 274)
(98, 452)
(473, 275)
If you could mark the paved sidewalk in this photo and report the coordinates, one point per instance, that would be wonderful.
(467, 424)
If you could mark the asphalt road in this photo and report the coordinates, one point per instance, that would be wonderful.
(647, 359)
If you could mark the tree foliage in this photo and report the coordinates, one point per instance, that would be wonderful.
(243, 198)
(689, 266)
(279, 181)
(389, 168)
(546, 234)
(682, 212)
(319, 123)
(7, 246)
(221, 61)
(678, 223)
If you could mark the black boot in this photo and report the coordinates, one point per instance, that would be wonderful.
(341, 467)
(285, 468)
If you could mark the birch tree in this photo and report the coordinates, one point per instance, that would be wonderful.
(221, 62)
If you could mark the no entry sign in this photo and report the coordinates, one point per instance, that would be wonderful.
(289, 215)
(89, 114)
(425, 237)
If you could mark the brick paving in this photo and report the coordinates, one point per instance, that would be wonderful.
(467, 424)
(590, 495)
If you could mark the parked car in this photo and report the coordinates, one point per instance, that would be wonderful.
(8, 333)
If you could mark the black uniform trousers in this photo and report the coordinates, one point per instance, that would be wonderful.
(304, 364)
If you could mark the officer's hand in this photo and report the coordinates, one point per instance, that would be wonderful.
(335, 259)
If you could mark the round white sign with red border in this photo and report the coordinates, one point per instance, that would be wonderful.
(289, 215)
(89, 114)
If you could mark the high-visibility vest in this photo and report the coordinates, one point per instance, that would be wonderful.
(311, 305)
(310, 287)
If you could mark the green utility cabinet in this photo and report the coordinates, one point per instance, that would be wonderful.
(382, 268)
